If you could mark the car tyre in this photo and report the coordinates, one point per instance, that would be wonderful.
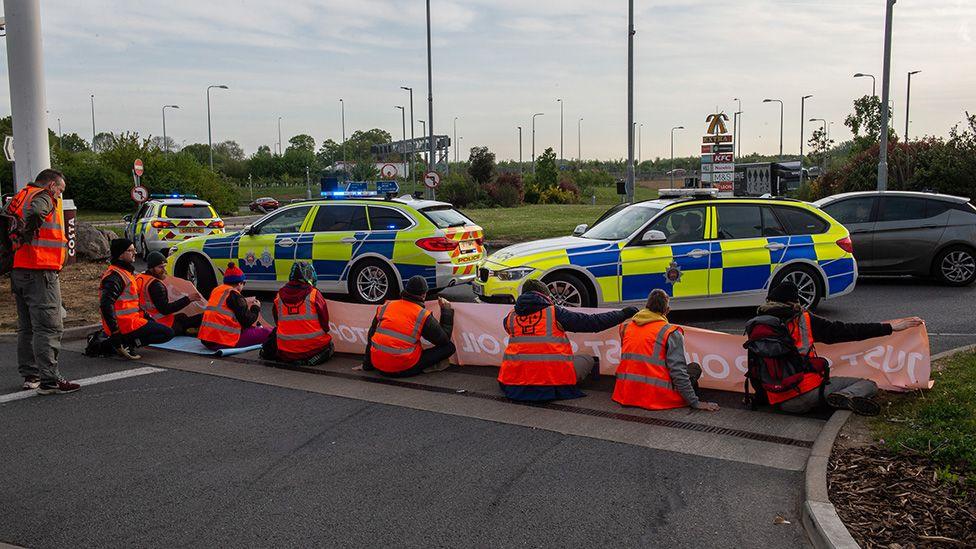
(198, 271)
(955, 266)
(373, 282)
(569, 290)
(807, 279)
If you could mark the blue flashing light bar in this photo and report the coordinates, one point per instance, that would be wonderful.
(173, 196)
(347, 194)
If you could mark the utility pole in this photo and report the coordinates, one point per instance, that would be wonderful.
(561, 157)
(209, 133)
(533, 139)
(735, 126)
(780, 101)
(456, 144)
(279, 136)
(520, 150)
(885, 84)
(579, 142)
(430, 100)
(908, 97)
(403, 121)
(60, 135)
(873, 82)
(93, 120)
(342, 117)
(802, 102)
(629, 184)
(165, 143)
(413, 176)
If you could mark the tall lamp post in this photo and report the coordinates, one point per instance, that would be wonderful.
(209, 126)
(533, 138)
(93, 120)
(803, 100)
(520, 150)
(403, 121)
(885, 81)
(640, 139)
(672, 152)
(561, 157)
(412, 176)
(423, 130)
(61, 135)
(579, 141)
(908, 97)
(342, 118)
(457, 145)
(279, 136)
(736, 120)
(430, 99)
(165, 143)
(780, 101)
(629, 182)
(873, 81)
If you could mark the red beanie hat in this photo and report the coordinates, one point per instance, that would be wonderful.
(233, 275)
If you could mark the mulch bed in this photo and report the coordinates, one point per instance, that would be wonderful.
(898, 501)
(79, 293)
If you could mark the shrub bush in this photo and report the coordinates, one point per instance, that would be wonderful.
(587, 180)
(566, 185)
(555, 195)
(460, 190)
(506, 190)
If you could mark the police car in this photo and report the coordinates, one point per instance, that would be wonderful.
(166, 219)
(702, 250)
(362, 246)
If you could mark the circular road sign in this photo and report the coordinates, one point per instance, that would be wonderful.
(137, 167)
(389, 170)
(432, 180)
(140, 194)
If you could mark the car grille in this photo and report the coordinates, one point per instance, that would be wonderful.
(483, 275)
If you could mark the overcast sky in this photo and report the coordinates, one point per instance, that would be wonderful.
(496, 62)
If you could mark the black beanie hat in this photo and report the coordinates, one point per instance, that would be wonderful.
(155, 259)
(416, 286)
(784, 292)
(118, 246)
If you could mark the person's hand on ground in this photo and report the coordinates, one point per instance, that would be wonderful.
(906, 323)
(707, 406)
(445, 304)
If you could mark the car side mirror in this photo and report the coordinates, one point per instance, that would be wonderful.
(248, 229)
(580, 229)
(653, 236)
(127, 218)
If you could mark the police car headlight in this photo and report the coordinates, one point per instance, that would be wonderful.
(515, 273)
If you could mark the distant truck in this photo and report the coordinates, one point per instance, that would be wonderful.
(773, 178)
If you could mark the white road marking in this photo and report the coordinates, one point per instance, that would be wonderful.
(20, 395)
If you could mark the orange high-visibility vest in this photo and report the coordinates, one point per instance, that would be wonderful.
(219, 324)
(127, 313)
(50, 248)
(538, 351)
(299, 331)
(395, 345)
(643, 378)
(802, 334)
(146, 303)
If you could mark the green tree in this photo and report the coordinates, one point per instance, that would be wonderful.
(481, 166)
(365, 169)
(819, 147)
(198, 151)
(358, 145)
(546, 174)
(329, 153)
(103, 140)
(73, 143)
(302, 142)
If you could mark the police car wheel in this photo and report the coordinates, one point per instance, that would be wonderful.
(808, 282)
(568, 290)
(373, 282)
(198, 272)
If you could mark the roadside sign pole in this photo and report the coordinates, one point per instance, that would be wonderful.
(629, 183)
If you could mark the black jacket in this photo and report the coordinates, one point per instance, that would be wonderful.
(246, 316)
(160, 298)
(110, 290)
(438, 333)
(572, 321)
(829, 331)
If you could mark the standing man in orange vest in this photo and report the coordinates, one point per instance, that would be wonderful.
(154, 298)
(393, 345)
(35, 284)
(301, 335)
(653, 373)
(850, 393)
(539, 363)
(123, 321)
(231, 320)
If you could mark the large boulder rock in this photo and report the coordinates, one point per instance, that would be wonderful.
(91, 243)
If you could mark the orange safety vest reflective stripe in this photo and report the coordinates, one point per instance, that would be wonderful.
(643, 378)
(802, 334)
(219, 324)
(539, 351)
(299, 330)
(146, 303)
(127, 313)
(49, 249)
(395, 345)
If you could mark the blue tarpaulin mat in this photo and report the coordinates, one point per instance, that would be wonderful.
(186, 344)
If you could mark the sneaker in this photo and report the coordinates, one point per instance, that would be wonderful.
(31, 382)
(839, 401)
(864, 406)
(63, 386)
(439, 367)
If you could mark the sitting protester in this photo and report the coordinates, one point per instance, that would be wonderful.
(653, 373)
(539, 363)
(123, 321)
(154, 298)
(229, 321)
(301, 335)
(799, 381)
(393, 345)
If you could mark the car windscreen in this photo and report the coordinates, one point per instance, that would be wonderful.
(446, 216)
(623, 223)
(195, 211)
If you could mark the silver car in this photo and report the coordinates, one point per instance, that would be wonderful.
(909, 233)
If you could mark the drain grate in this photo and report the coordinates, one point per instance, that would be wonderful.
(619, 416)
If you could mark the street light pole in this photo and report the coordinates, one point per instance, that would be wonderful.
(672, 151)
(873, 81)
(403, 121)
(520, 150)
(780, 101)
(579, 141)
(60, 135)
(430, 98)
(908, 97)
(533, 139)
(165, 143)
(342, 118)
(561, 157)
(412, 176)
(629, 183)
(456, 144)
(640, 139)
(423, 130)
(279, 136)
(93, 120)
(885, 84)
(803, 100)
(209, 130)
(735, 128)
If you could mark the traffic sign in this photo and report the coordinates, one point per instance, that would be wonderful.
(8, 148)
(432, 179)
(389, 170)
(386, 187)
(139, 193)
(138, 168)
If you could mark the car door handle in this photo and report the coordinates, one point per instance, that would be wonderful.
(286, 242)
(349, 240)
(696, 253)
(775, 246)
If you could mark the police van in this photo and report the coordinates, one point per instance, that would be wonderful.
(166, 219)
(704, 251)
(360, 245)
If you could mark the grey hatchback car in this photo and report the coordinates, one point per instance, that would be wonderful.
(909, 233)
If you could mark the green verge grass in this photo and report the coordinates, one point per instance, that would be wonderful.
(96, 215)
(941, 422)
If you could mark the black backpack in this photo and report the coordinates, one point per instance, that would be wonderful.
(12, 233)
(774, 363)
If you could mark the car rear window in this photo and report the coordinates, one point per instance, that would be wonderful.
(902, 208)
(800, 221)
(739, 221)
(387, 219)
(340, 217)
(195, 211)
(446, 216)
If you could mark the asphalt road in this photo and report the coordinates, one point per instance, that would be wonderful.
(174, 458)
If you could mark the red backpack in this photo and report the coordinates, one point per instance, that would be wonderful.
(774, 363)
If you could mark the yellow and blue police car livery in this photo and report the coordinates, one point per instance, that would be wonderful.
(364, 247)
(733, 251)
(166, 219)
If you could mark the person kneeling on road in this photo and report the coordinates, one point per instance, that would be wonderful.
(231, 320)
(301, 336)
(122, 319)
(393, 346)
(653, 373)
(154, 298)
(539, 364)
(805, 329)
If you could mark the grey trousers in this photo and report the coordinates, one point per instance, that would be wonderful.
(39, 323)
(850, 386)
